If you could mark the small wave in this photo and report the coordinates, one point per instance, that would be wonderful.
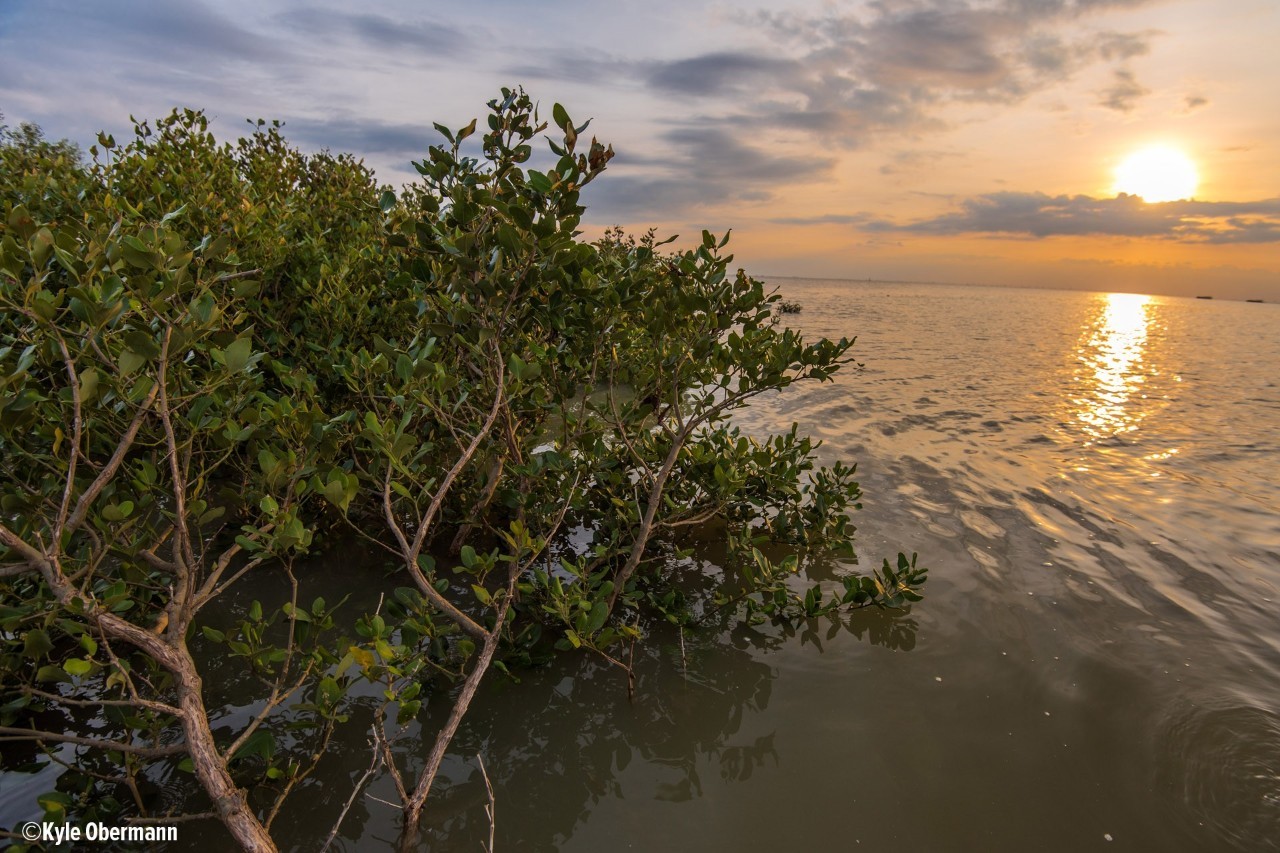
(1223, 765)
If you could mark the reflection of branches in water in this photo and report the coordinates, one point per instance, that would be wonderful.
(896, 632)
(893, 630)
(737, 763)
(558, 741)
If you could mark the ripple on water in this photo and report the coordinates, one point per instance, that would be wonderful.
(1223, 765)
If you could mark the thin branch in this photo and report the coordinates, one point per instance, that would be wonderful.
(128, 781)
(77, 426)
(14, 569)
(94, 703)
(272, 703)
(232, 276)
(499, 400)
(113, 464)
(11, 733)
(492, 808)
(355, 791)
(173, 818)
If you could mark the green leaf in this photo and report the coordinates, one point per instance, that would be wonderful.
(88, 384)
(599, 613)
(49, 672)
(561, 116)
(329, 691)
(142, 343)
(408, 711)
(37, 644)
(130, 361)
(261, 743)
(539, 182)
(55, 804)
(237, 354)
(77, 666)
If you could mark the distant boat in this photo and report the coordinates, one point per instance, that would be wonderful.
(1253, 300)
(1204, 297)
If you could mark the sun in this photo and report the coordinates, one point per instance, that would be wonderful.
(1157, 174)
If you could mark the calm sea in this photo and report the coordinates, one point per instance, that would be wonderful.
(1093, 479)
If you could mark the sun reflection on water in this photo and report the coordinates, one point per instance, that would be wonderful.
(1113, 348)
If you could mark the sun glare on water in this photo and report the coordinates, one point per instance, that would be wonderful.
(1157, 174)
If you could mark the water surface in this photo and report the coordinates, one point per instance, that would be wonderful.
(1096, 665)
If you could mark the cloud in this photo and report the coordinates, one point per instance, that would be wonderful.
(840, 79)
(913, 161)
(896, 67)
(1121, 46)
(710, 165)
(379, 32)
(1035, 215)
(1123, 94)
(1193, 102)
(717, 74)
(190, 33)
(347, 132)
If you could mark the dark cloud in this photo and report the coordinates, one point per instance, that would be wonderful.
(427, 38)
(588, 64)
(363, 135)
(1019, 214)
(708, 165)
(185, 33)
(719, 73)
(959, 48)
(894, 67)
(1123, 93)
(1121, 46)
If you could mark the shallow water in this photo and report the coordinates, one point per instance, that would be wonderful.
(1093, 479)
(1096, 664)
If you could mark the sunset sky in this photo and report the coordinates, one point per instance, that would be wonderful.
(955, 140)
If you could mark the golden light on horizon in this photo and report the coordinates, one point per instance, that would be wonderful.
(1157, 174)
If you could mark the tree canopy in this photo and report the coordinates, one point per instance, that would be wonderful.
(216, 358)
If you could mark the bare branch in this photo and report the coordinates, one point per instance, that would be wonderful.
(94, 703)
(76, 429)
(356, 789)
(232, 276)
(499, 400)
(11, 733)
(113, 464)
(173, 818)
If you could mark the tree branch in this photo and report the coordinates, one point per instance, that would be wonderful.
(11, 733)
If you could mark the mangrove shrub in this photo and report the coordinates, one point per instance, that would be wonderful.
(217, 357)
